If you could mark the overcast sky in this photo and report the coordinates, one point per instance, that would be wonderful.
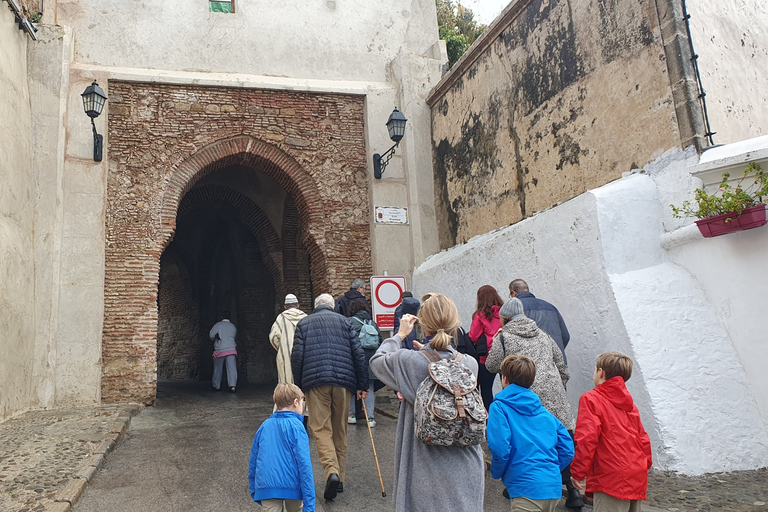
(485, 10)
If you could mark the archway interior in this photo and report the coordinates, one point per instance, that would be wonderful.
(237, 247)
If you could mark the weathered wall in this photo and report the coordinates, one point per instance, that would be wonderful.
(164, 138)
(729, 37)
(563, 99)
(628, 277)
(316, 40)
(17, 199)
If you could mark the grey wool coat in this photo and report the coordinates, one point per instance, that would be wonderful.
(426, 476)
(523, 336)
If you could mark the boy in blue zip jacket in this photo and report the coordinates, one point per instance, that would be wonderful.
(529, 446)
(280, 470)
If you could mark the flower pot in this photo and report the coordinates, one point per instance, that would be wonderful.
(751, 217)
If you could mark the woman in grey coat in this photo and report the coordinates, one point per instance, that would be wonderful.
(520, 335)
(425, 475)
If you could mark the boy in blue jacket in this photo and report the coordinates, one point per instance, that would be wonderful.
(529, 447)
(280, 470)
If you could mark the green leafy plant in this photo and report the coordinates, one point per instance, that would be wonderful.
(458, 28)
(727, 199)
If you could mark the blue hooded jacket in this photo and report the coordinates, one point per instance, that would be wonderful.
(529, 447)
(280, 467)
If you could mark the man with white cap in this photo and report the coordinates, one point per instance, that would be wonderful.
(281, 337)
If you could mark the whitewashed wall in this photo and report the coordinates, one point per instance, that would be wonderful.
(599, 259)
(17, 191)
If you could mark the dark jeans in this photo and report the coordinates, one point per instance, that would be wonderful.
(566, 473)
(485, 379)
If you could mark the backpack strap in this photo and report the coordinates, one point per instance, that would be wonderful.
(433, 358)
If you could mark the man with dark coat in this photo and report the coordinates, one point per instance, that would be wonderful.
(411, 306)
(329, 365)
(546, 316)
(356, 291)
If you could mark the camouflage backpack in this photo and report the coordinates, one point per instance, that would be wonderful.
(449, 410)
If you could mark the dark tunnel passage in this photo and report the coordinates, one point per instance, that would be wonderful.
(237, 247)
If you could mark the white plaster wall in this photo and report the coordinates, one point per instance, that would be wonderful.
(729, 37)
(600, 259)
(48, 60)
(17, 191)
(328, 39)
(559, 254)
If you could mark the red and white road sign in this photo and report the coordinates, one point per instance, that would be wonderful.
(385, 294)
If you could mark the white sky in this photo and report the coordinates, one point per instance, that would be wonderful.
(485, 10)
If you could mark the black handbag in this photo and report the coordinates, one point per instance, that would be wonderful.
(464, 344)
(481, 345)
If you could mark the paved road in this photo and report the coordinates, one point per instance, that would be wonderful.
(190, 453)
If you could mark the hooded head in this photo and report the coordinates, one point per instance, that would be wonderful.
(512, 309)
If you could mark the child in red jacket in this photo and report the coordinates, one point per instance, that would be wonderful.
(613, 452)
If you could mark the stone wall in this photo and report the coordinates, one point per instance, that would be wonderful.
(179, 344)
(165, 138)
(17, 200)
(555, 99)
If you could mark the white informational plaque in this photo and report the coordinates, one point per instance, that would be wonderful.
(390, 215)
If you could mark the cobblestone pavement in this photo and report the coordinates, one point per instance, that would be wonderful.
(739, 491)
(41, 452)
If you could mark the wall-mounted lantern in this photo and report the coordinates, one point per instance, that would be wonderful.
(93, 104)
(396, 128)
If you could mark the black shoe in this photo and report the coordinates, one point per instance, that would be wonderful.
(574, 500)
(216, 389)
(331, 487)
(232, 389)
(506, 494)
(340, 488)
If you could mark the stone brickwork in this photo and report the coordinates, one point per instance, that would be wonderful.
(178, 331)
(164, 138)
(555, 99)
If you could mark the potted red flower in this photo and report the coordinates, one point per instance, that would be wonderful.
(731, 208)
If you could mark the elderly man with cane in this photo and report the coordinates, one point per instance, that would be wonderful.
(329, 365)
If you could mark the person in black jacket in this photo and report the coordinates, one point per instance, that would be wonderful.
(356, 291)
(329, 365)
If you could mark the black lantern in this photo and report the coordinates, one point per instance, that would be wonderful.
(396, 128)
(93, 104)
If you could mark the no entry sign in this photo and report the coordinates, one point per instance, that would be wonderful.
(385, 294)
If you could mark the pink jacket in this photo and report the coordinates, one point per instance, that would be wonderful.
(481, 325)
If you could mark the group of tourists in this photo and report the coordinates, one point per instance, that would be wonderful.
(502, 383)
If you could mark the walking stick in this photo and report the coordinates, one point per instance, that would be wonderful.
(376, 458)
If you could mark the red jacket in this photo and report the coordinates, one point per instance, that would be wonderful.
(613, 451)
(481, 325)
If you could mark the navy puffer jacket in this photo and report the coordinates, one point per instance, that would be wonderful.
(326, 350)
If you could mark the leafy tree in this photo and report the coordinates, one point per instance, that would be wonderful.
(458, 28)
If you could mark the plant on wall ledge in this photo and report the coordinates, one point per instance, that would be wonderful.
(730, 208)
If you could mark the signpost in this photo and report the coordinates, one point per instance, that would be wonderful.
(385, 295)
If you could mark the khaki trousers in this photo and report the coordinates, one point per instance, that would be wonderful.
(282, 505)
(329, 406)
(606, 503)
(521, 504)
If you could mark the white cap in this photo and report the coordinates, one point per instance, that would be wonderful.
(291, 299)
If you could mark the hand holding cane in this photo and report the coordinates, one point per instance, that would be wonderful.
(376, 458)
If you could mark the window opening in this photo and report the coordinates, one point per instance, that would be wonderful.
(227, 6)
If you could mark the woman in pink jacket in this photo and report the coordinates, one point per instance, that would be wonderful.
(486, 321)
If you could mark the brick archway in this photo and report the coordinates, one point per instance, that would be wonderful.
(312, 145)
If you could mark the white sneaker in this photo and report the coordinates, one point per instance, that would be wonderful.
(351, 419)
(371, 422)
